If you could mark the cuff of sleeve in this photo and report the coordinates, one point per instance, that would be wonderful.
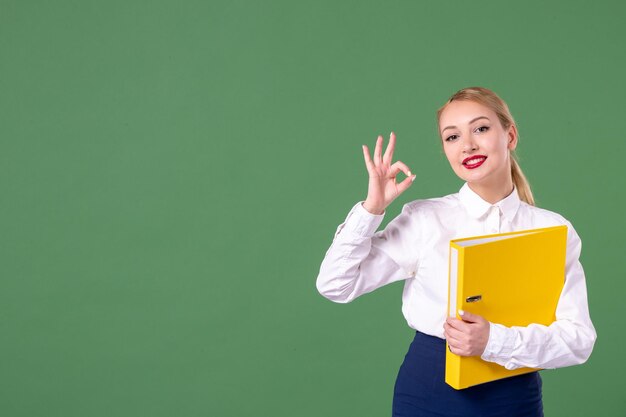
(500, 344)
(362, 222)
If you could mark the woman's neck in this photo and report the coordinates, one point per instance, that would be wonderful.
(492, 193)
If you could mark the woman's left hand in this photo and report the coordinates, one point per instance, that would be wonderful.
(467, 337)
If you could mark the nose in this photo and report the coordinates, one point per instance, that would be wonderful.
(469, 145)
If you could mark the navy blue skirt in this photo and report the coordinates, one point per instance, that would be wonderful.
(421, 389)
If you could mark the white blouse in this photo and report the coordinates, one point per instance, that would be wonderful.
(414, 247)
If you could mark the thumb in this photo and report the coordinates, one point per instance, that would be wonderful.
(470, 317)
(404, 185)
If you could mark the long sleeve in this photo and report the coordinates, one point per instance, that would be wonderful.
(568, 341)
(360, 259)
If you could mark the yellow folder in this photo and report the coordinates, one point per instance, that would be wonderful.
(513, 279)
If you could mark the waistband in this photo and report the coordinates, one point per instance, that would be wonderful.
(429, 340)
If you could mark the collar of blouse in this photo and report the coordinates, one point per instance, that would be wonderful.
(477, 207)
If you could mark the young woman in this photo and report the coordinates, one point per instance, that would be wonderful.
(479, 137)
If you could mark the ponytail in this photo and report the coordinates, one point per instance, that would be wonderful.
(520, 182)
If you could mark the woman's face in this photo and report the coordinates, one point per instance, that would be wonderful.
(476, 144)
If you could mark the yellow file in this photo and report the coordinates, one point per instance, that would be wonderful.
(513, 279)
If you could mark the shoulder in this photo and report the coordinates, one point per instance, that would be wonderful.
(542, 217)
(426, 213)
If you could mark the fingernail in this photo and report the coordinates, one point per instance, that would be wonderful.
(461, 312)
(408, 173)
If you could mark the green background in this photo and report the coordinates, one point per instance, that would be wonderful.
(172, 173)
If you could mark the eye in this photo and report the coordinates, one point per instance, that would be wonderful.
(451, 138)
(483, 128)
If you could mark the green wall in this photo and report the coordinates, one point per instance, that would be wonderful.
(172, 173)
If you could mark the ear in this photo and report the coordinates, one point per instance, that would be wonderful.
(512, 137)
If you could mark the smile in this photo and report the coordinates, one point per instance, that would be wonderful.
(473, 162)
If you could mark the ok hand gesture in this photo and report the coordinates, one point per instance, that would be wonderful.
(382, 188)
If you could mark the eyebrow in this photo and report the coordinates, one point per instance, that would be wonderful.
(471, 121)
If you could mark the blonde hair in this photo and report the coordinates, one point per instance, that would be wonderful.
(490, 99)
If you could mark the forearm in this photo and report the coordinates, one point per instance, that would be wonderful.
(352, 268)
(360, 260)
(563, 343)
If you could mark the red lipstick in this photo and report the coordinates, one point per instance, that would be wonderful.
(474, 161)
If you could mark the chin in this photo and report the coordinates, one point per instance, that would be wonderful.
(476, 180)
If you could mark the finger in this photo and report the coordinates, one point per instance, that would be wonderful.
(388, 157)
(470, 317)
(455, 345)
(368, 161)
(460, 325)
(459, 350)
(378, 151)
(452, 333)
(398, 167)
(455, 337)
(404, 185)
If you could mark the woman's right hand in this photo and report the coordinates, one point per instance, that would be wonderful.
(382, 188)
